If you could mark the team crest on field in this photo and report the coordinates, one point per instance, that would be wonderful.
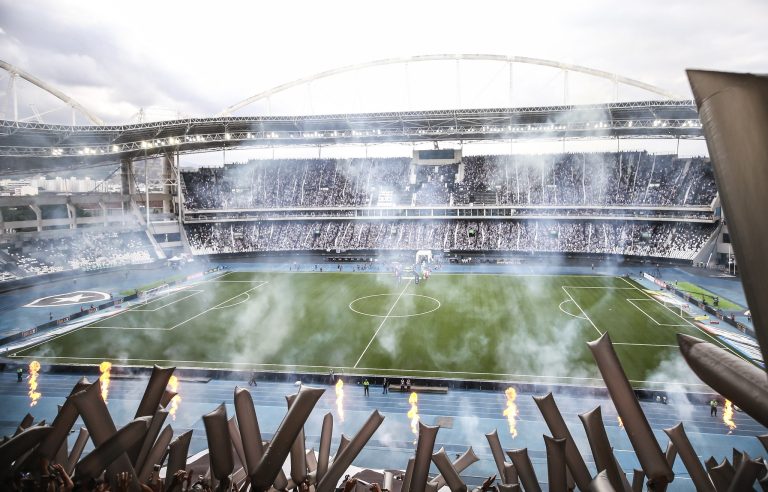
(77, 297)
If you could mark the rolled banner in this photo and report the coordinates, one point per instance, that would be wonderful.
(26, 421)
(250, 434)
(271, 462)
(497, 452)
(61, 454)
(15, 447)
(234, 436)
(101, 427)
(638, 477)
(154, 391)
(647, 449)
(557, 477)
(690, 459)
(168, 395)
(62, 423)
(156, 455)
(343, 443)
(731, 376)
(722, 475)
(144, 446)
(76, 452)
(746, 473)
(736, 458)
(733, 109)
(219, 443)
(510, 474)
(452, 478)
(601, 483)
(671, 453)
(389, 479)
(311, 458)
(325, 446)
(524, 468)
(763, 440)
(408, 474)
(559, 430)
(298, 452)
(425, 445)
(343, 460)
(104, 454)
(602, 451)
(507, 487)
(461, 464)
(177, 454)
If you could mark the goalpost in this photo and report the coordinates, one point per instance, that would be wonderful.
(424, 254)
(153, 293)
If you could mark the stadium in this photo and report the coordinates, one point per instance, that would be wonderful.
(528, 285)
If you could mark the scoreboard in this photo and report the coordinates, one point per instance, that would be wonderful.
(437, 157)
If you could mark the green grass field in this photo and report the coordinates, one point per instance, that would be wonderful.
(694, 289)
(489, 327)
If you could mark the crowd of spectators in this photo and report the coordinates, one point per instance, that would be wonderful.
(583, 179)
(615, 178)
(294, 183)
(680, 240)
(85, 251)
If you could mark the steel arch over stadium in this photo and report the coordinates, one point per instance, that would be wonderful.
(567, 67)
(15, 71)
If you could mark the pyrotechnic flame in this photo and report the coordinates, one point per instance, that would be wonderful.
(728, 416)
(173, 385)
(511, 411)
(413, 413)
(340, 399)
(34, 395)
(105, 368)
(621, 422)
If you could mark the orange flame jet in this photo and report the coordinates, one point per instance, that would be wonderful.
(511, 412)
(34, 395)
(105, 368)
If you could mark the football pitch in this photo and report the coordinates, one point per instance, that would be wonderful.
(459, 326)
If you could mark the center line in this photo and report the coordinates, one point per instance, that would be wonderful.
(382, 322)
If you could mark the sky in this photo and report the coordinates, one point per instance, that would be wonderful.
(188, 58)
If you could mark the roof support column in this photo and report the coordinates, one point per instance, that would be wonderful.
(126, 177)
(72, 215)
(168, 180)
(38, 215)
(103, 208)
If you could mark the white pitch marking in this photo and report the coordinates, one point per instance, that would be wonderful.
(247, 298)
(193, 293)
(713, 339)
(382, 322)
(566, 312)
(183, 322)
(582, 311)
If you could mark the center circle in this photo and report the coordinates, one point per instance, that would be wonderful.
(364, 305)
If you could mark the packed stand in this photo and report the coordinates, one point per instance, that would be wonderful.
(294, 183)
(677, 240)
(86, 251)
(590, 179)
(582, 179)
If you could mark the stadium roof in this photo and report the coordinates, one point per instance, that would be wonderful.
(27, 146)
